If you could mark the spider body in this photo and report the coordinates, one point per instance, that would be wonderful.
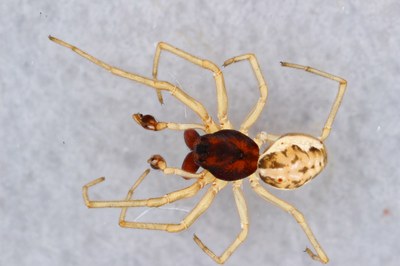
(292, 160)
(228, 156)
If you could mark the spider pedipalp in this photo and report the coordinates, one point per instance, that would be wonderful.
(157, 162)
(148, 122)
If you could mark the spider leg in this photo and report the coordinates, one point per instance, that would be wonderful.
(195, 213)
(222, 97)
(336, 104)
(256, 111)
(263, 137)
(202, 180)
(297, 215)
(197, 107)
(244, 222)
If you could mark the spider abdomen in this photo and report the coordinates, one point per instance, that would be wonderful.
(227, 154)
(291, 161)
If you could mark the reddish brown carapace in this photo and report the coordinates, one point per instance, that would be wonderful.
(227, 154)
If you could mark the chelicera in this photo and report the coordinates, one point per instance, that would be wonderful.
(226, 156)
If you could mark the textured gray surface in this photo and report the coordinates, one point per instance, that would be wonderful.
(64, 122)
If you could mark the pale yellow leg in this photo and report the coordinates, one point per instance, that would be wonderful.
(197, 107)
(244, 223)
(195, 213)
(222, 97)
(150, 202)
(336, 104)
(298, 216)
(256, 111)
(263, 137)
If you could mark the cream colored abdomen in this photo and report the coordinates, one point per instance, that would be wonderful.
(291, 161)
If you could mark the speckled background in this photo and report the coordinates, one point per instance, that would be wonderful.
(65, 121)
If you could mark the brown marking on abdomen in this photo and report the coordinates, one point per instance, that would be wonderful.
(292, 161)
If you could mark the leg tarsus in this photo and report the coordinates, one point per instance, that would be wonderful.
(316, 257)
(339, 96)
(85, 189)
(229, 251)
(297, 215)
(107, 204)
(244, 222)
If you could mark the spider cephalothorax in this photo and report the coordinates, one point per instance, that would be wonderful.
(228, 156)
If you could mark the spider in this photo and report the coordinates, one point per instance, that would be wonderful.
(227, 156)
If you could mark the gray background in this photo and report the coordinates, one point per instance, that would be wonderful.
(65, 121)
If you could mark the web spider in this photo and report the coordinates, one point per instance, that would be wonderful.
(226, 155)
